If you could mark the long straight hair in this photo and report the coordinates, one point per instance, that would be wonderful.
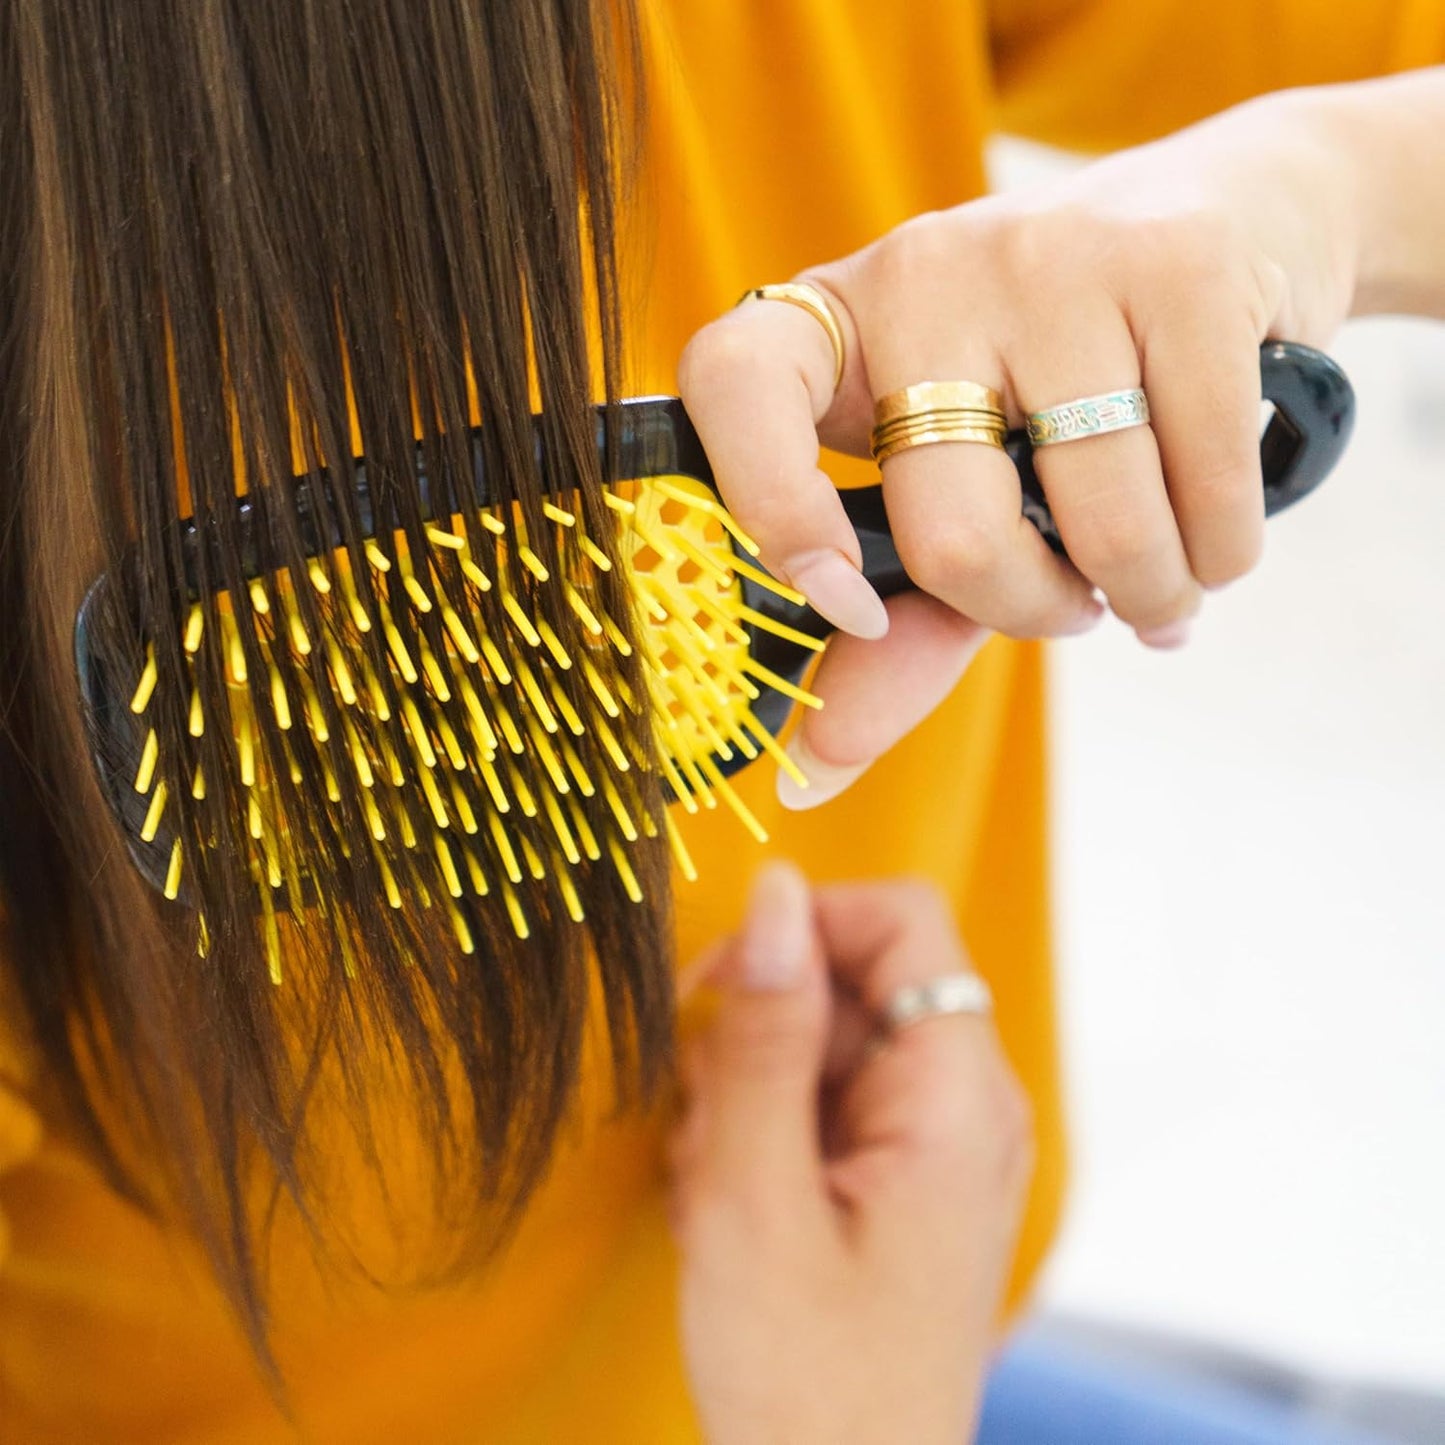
(229, 224)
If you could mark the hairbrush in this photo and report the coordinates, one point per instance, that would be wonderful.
(431, 756)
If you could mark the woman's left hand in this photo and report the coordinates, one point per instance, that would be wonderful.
(846, 1201)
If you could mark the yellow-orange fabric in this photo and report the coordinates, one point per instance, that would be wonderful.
(783, 132)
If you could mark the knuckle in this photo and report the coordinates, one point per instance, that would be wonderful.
(920, 900)
(957, 554)
(721, 350)
(923, 246)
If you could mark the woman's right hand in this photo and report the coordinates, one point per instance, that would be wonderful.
(846, 1200)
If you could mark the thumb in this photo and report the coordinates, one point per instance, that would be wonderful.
(757, 1069)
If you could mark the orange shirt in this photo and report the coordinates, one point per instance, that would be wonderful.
(784, 132)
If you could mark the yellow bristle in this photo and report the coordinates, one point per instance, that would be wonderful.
(195, 626)
(348, 952)
(463, 809)
(153, 814)
(779, 629)
(173, 873)
(721, 785)
(246, 749)
(534, 863)
(149, 756)
(203, 936)
(585, 785)
(585, 834)
(494, 787)
(460, 635)
(198, 785)
(416, 592)
(420, 742)
(613, 747)
(403, 821)
(556, 514)
(534, 695)
(680, 789)
(474, 871)
(388, 881)
(563, 704)
(434, 672)
(782, 685)
(374, 820)
(360, 763)
(450, 540)
(685, 865)
(341, 674)
(553, 644)
(272, 936)
(564, 834)
(711, 509)
(482, 729)
(375, 692)
(570, 898)
(578, 604)
(475, 575)
(398, 649)
(504, 847)
(715, 568)
(260, 602)
(463, 933)
(543, 745)
(455, 755)
(499, 669)
(700, 786)
(596, 555)
(333, 788)
(235, 655)
(434, 799)
(279, 701)
(686, 694)
(619, 810)
(196, 722)
(449, 867)
(744, 744)
(494, 525)
(616, 637)
(315, 716)
(525, 800)
(619, 504)
(765, 579)
(532, 562)
(520, 620)
(394, 769)
(624, 871)
(600, 689)
(319, 580)
(377, 557)
(514, 911)
(253, 818)
(300, 638)
(140, 699)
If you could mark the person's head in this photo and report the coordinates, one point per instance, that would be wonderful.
(227, 223)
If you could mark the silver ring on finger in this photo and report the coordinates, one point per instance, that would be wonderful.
(1089, 416)
(949, 993)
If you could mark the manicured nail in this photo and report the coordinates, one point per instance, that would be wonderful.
(778, 931)
(825, 780)
(1170, 635)
(838, 591)
(1087, 620)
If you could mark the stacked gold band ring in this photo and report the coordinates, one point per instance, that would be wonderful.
(936, 411)
(811, 300)
(1090, 416)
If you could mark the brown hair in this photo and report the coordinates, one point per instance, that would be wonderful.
(226, 222)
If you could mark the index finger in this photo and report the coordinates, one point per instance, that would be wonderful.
(756, 383)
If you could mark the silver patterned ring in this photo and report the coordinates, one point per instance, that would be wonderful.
(949, 993)
(1090, 416)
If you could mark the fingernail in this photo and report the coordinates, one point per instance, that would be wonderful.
(778, 931)
(825, 780)
(1087, 620)
(838, 591)
(1171, 634)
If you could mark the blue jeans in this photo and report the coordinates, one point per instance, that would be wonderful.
(1042, 1394)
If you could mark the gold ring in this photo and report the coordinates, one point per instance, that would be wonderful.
(799, 293)
(930, 412)
(936, 396)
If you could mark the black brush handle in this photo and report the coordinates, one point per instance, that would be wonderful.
(1314, 413)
